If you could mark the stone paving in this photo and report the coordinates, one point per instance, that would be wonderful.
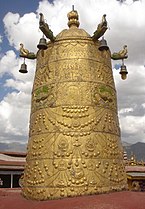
(12, 199)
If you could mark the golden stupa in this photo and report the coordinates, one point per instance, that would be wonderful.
(74, 145)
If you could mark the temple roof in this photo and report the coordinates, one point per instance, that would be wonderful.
(12, 160)
(136, 174)
(4, 157)
(135, 168)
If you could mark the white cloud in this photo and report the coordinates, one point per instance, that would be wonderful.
(133, 128)
(22, 29)
(15, 106)
(7, 61)
(131, 124)
(126, 110)
(1, 39)
(14, 116)
(127, 26)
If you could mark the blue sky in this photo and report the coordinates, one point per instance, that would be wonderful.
(19, 23)
(15, 6)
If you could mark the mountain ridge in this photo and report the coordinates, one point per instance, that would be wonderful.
(137, 149)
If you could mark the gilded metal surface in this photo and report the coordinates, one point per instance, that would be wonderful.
(74, 146)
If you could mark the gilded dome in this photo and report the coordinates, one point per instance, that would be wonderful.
(73, 33)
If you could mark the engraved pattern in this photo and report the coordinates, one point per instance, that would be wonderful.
(74, 145)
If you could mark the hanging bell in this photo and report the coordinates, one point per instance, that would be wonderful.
(103, 45)
(23, 68)
(42, 44)
(123, 72)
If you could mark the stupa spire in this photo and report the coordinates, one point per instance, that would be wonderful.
(73, 18)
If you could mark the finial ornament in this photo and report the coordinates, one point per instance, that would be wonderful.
(73, 18)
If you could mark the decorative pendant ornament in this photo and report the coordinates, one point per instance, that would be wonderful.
(23, 68)
(123, 71)
(42, 44)
(103, 45)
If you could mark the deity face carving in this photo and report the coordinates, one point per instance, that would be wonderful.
(73, 94)
(63, 145)
(90, 145)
